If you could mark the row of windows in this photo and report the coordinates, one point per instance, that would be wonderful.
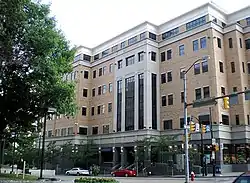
(100, 90)
(233, 67)
(100, 109)
(102, 71)
(169, 99)
(61, 132)
(82, 57)
(73, 75)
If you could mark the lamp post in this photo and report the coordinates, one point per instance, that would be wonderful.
(185, 118)
(49, 110)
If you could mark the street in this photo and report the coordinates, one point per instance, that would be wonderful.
(70, 179)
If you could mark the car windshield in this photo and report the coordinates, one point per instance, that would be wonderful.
(243, 179)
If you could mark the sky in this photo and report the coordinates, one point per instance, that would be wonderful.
(92, 22)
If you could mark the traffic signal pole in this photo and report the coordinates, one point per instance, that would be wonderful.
(212, 143)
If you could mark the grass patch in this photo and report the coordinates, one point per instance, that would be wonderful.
(14, 177)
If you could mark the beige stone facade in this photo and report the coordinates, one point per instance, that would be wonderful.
(205, 31)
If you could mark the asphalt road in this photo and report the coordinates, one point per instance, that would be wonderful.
(70, 179)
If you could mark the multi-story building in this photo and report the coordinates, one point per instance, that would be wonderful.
(131, 86)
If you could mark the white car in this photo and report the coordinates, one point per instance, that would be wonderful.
(77, 171)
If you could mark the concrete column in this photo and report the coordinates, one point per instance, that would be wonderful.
(115, 156)
(122, 156)
(123, 105)
(115, 106)
(147, 100)
(136, 102)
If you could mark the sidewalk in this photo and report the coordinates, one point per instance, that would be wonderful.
(223, 175)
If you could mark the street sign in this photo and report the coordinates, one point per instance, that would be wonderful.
(213, 141)
(197, 127)
(207, 158)
(233, 99)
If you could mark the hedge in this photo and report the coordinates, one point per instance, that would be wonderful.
(95, 180)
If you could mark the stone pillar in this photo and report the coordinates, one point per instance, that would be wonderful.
(123, 105)
(122, 157)
(100, 156)
(147, 100)
(115, 156)
(136, 102)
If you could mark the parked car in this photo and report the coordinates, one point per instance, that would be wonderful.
(77, 171)
(245, 177)
(124, 173)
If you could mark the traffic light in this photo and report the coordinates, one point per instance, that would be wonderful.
(192, 127)
(215, 147)
(203, 129)
(226, 102)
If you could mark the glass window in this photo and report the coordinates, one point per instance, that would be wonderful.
(163, 56)
(169, 74)
(196, 23)
(163, 78)
(93, 92)
(182, 97)
(223, 91)
(119, 64)
(198, 94)
(105, 53)
(225, 119)
(243, 67)
(140, 56)
(240, 42)
(235, 89)
(143, 36)
(170, 33)
(94, 74)
(99, 109)
(86, 74)
(100, 72)
(83, 130)
(204, 65)
(181, 50)
(169, 54)
(153, 56)
(248, 20)
(99, 90)
(105, 129)
(129, 103)
(152, 36)
(85, 93)
(95, 130)
(104, 88)
(110, 68)
(203, 42)
(230, 42)
(132, 40)
(114, 48)
(110, 87)
(163, 101)
(232, 67)
(248, 67)
(206, 92)
(168, 124)
(123, 44)
(109, 107)
(87, 57)
(170, 99)
(221, 67)
(195, 45)
(197, 68)
(92, 111)
(130, 60)
(96, 57)
(218, 42)
(237, 119)
(84, 111)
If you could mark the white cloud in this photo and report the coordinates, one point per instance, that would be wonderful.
(91, 22)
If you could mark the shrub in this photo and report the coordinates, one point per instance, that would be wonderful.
(95, 180)
(95, 170)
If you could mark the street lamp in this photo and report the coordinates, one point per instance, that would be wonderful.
(48, 110)
(185, 116)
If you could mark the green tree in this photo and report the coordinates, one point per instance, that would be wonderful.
(34, 56)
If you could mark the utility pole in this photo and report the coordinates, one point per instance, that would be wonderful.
(212, 140)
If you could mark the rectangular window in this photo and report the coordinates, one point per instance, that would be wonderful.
(119, 64)
(84, 111)
(203, 42)
(221, 67)
(248, 67)
(115, 48)
(93, 92)
(198, 94)
(218, 42)
(248, 20)
(105, 53)
(163, 56)
(123, 44)
(104, 70)
(130, 60)
(143, 36)
(168, 124)
(232, 67)
(163, 78)
(181, 50)
(86, 57)
(132, 40)
(129, 103)
(154, 100)
(163, 101)
(153, 56)
(140, 56)
(237, 119)
(169, 74)
(171, 33)
(110, 87)
(169, 54)
(99, 90)
(104, 89)
(110, 68)
(96, 57)
(95, 130)
(109, 107)
(225, 119)
(182, 97)
(92, 111)
(152, 36)
(195, 45)
(141, 101)
(247, 44)
(99, 109)
(100, 72)
(94, 74)
(230, 42)
(196, 23)
(204, 66)
(182, 122)
(240, 42)
(223, 91)
(85, 92)
(119, 105)
(206, 92)
(248, 119)
(235, 89)
(105, 129)
(86, 75)
(243, 67)
(170, 99)
(83, 130)
(70, 131)
(182, 72)
(197, 68)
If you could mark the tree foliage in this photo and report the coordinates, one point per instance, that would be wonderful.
(34, 56)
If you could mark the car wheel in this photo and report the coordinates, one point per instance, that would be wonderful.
(113, 175)
(126, 175)
(77, 173)
(67, 173)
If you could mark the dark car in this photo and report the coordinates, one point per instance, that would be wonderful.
(243, 178)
